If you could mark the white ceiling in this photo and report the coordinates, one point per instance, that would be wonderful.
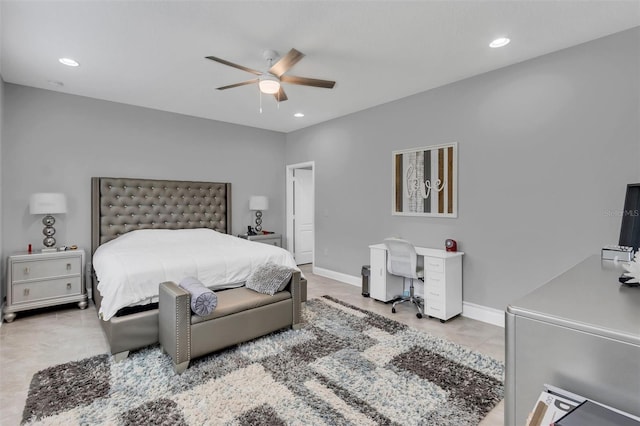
(151, 53)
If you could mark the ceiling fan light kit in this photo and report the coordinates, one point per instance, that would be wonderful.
(270, 81)
(269, 84)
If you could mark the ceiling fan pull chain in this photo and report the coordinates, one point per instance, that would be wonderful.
(260, 94)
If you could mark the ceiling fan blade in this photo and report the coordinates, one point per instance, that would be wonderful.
(326, 84)
(280, 95)
(231, 86)
(231, 64)
(284, 64)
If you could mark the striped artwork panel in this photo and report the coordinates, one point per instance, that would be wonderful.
(450, 180)
(427, 172)
(398, 181)
(440, 179)
(424, 181)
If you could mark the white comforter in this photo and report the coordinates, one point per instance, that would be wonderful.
(130, 267)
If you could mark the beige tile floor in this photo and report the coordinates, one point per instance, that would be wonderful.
(39, 339)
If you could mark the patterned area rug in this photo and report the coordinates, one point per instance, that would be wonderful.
(346, 366)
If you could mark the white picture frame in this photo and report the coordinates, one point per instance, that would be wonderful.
(425, 181)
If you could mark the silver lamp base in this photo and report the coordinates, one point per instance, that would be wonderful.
(258, 221)
(49, 231)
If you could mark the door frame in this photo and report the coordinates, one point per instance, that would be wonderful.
(289, 204)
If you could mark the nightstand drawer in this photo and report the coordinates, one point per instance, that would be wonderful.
(33, 270)
(38, 290)
(271, 241)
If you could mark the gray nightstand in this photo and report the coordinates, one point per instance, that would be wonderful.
(272, 239)
(36, 280)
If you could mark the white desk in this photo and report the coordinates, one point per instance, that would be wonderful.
(442, 288)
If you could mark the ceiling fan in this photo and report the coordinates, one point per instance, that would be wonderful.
(269, 80)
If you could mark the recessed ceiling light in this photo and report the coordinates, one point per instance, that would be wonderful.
(55, 83)
(68, 62)
(499, 42)
(298, 115)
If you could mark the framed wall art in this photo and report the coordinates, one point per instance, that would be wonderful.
(425, 181)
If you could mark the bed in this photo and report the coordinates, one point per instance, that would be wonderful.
(122, 205)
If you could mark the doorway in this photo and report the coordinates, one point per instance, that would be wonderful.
(300, 211)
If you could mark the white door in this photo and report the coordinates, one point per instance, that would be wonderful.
(303, 215)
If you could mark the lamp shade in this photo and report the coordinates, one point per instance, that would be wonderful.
(47, 203)
(258, 202)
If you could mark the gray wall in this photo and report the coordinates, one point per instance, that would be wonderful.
(55, 143)
(546, 148)
(2, 263)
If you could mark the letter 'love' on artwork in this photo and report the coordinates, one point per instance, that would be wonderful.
(425, 181)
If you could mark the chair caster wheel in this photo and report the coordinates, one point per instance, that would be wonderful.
(419, 315)
(393, 310)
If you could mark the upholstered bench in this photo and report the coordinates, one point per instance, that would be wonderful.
(303, 289)
(241, 314)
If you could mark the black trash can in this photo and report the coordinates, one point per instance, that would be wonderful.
(366, 271)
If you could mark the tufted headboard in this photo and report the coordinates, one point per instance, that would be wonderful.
(120, 205)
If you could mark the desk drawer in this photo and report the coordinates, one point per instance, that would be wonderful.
(435, 280)
(433, 264)
(435, 309)
(38, 269)
(40, 290)
(433, 293)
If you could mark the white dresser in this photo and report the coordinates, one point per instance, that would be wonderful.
(579, 332)
(36, 280)
(442, 289)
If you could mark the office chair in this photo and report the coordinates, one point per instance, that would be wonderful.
(402, 261)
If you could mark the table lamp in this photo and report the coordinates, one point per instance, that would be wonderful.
(48, 203)
(258, 203)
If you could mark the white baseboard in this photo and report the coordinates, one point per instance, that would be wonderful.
(344, 278)
(469, 310)
(483, 313)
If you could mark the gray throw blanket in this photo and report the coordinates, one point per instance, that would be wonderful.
(203, 300)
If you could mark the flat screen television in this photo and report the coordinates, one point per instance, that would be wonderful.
(630, 228)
